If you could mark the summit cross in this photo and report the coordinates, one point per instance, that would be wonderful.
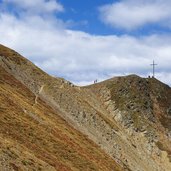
(153, 64)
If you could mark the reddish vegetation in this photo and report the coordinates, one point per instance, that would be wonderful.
(47, 123)
(42, 133)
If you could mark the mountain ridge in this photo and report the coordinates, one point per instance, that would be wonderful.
(127, 117)
(35, 137)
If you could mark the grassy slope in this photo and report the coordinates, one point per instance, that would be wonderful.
(35, 137)
(132, 94)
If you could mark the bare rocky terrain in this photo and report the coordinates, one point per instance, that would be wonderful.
(48, 123)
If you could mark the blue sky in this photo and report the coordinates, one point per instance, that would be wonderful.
(85, 15)
(93, 39)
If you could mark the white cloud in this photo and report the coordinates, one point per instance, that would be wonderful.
(82, 57)
(164, 77)
(36, 6)
(132, 14)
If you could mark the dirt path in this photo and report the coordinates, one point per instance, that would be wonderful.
(37, 95)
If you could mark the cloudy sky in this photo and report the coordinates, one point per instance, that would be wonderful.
(93, 39)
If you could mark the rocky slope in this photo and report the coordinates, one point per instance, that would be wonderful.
(33, 135)
(127, 117)
(141, 108)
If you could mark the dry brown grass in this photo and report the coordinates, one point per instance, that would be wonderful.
(42, 133)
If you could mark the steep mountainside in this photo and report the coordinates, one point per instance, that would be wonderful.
(33, 136)
(55, 122)
(142, 108)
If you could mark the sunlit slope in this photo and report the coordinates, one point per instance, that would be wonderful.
(127, 117)
(142, 108)
(34, 137)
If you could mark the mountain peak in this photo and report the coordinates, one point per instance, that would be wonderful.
(119, 124)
